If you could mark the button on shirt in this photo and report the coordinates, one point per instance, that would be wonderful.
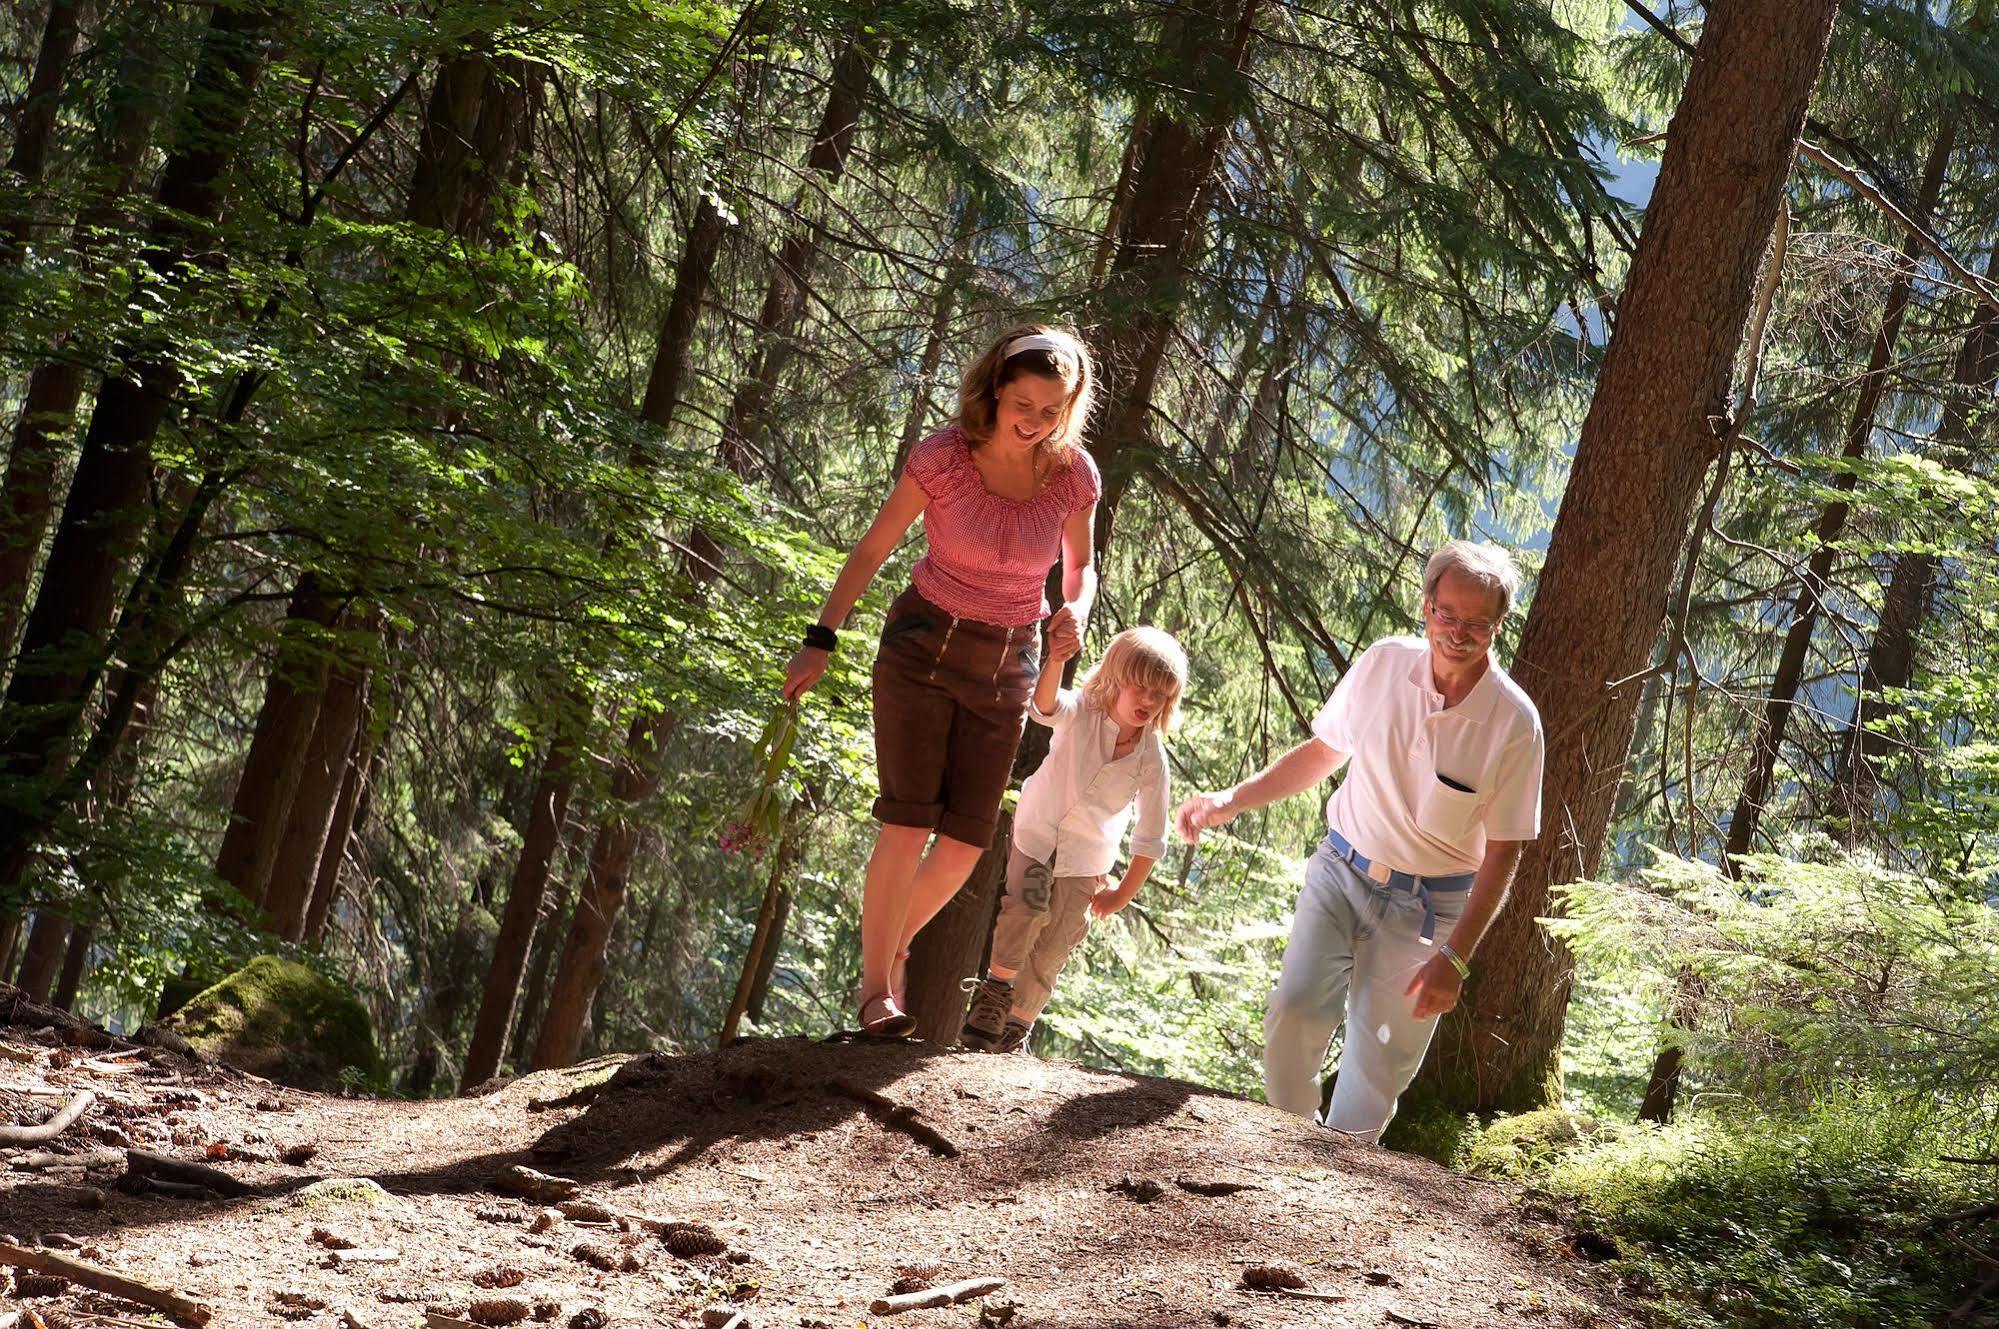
(1427, 786)
(1074, 808)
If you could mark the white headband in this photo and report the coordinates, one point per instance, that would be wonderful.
(1060, 347)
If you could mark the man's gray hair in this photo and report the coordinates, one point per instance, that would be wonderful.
(1487, 564)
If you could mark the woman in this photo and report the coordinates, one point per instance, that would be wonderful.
(1005, 490)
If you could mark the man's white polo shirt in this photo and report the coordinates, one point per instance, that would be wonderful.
(1427, 786)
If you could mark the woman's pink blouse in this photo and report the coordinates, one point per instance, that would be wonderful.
(988, 555)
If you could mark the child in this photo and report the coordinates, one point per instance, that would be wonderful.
(1106, 754)
(1006, 492)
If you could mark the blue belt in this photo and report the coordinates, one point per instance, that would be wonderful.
(1382, 875)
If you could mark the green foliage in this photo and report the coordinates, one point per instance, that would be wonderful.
(1807, 977)
(1825, 1217)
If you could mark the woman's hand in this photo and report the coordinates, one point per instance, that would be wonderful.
(803, 671)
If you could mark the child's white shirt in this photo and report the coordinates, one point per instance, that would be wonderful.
(1073, 810)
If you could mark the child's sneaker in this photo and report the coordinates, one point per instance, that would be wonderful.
(1014, 1036)
(992, 999)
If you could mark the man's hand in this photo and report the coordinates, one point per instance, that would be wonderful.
(1435, 987)
(1202, 811)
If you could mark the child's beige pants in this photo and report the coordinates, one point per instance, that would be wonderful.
(1042, 919)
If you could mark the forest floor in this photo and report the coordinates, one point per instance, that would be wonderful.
(826, 1170)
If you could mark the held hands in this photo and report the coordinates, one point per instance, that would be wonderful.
(803, 671)
(1065, 633)
(1436, 987)
(1201, 811)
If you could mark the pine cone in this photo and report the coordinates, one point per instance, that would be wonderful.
(589, 1318)
(498, 1277)
(1270, 1277)
(595, 1256)
(688, 1239)
(498, 1310)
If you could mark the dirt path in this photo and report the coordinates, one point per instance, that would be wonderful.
(826, 1169)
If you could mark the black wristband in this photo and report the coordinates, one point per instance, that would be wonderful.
(820, 636)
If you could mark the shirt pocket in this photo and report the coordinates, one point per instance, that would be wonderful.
(1447, 813)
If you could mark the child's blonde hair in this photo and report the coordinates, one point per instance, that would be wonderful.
(980, 385)
(1145, 656)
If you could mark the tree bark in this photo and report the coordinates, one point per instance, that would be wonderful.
(581, 968)
(582, 965)
(1174, 161)
(949, 283)
(272, 769)
(540, 840)
(323, 772)
(1813, 586)
(350, 814)
(527, 1023)
(36, 121)
(104, 517)
(1912, 580)
(1654, 428)
(784, 300)
(42, 960)
(75, 960)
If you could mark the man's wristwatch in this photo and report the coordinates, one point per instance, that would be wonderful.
(821, 637)
(1458, 962)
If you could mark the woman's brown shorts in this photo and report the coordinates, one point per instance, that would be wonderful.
(950, 701)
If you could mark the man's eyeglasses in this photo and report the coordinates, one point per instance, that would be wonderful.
(1449, 622)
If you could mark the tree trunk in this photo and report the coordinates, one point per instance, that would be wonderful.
(784, 300)
(540, 840)
(323, 773)
(36, 121)
(1654, 427)
(1174, 163)
(73, 966)
(1813, 586)
(350, 814)
(527, 1023)
(272, 769)
(10, 937)
(949, 283)
(1891, 656)
(581, 968)
(104, 518)
(47, 941)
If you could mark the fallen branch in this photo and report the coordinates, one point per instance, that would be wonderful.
(51, 1128)
(948, 1295)
(104, 1280)
(896, 1117)
(1306, 1294)
(159, 1168)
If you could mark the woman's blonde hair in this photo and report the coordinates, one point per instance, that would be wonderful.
(980, 385)
(1145, 656)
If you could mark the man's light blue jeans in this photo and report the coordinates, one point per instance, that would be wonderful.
(1355, 945)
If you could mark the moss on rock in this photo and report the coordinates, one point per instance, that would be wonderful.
(1533, 1141)
(278, 1019)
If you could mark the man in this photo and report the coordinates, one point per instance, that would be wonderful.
(1443, 792)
